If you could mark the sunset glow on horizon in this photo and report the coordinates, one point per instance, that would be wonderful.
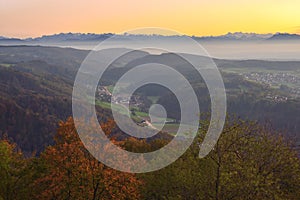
(33, 18)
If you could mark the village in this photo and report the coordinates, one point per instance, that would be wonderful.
(283, 80)
(105, 95)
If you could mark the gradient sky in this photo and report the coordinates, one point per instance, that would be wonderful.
(32, 18)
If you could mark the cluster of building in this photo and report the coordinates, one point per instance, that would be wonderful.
(273, 79)
(105, 95)
(277, 98)
(295, 91)
(278, 79)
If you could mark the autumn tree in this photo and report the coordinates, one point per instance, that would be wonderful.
(71, 172)
(249, 161)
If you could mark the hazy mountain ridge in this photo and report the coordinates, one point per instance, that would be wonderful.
(72, 37)
(237, 36)
(2, 38)
(284, 36)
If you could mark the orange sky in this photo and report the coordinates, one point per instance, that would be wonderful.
(31, 18)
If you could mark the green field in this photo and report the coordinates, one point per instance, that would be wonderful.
(5, 65)
(139, 115)
(122, 110)
(110, 88)
(153, 99)
(116, 107)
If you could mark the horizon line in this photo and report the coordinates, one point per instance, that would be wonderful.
(142, 34)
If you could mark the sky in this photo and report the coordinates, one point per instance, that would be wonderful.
(33, 18)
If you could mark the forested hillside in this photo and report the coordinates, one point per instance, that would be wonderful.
(36, 90)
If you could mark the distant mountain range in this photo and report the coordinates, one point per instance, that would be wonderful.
(82, 37)
(285, 36)
(9, 39)
(72, 37)
(239, 36)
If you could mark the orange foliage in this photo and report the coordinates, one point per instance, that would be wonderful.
(73, 173)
